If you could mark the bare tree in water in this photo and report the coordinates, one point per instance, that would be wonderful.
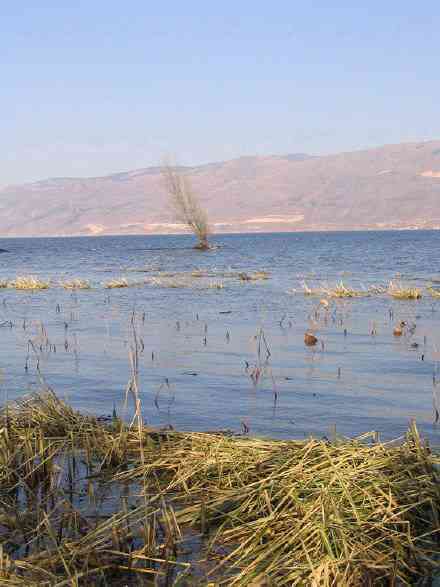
(186, 205)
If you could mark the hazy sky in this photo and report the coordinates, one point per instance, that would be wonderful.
(92, 87)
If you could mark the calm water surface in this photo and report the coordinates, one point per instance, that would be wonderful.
(198, 345)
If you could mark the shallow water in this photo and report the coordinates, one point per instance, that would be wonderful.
(193, 355)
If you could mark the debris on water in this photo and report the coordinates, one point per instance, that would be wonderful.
(104, 418)
(255, 276)
(310, 339)
(398, 330)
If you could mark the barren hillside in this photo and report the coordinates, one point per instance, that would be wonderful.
(395, 186)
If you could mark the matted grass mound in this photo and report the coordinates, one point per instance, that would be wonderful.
(308, 513)
(85, 502)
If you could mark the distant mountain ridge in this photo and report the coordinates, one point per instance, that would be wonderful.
(390, 187)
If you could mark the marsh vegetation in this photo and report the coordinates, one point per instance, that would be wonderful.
(87, 502)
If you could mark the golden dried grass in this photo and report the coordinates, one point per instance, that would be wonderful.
(309, 512)
(339, 290)
(435, 293)
(306, 512)
(29, 282)
(117, 283)
(399, 291)
(76, 284)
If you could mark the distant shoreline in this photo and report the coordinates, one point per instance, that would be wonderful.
(232, 233)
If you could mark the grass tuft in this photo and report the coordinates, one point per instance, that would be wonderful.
(399, 291)
(255, 276)
(29, 282)
(434, 292)
(117, 283)
(76, 284)
(340, 290)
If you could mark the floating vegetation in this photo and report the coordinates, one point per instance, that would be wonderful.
(308, 291)
(216, 285)
(3, 284)
(76, 284)
(254, 276)
(28, 282)
(340, 290)
(166, 281)
(203, 278)
(117, 283)
(184, 281)
(199, 273)
(377, 289)
(86, 501)
(310, 339)
(401, 292)
(434, 292)
(203, 273)
(150, 269)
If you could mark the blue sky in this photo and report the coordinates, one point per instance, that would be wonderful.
(90, 88)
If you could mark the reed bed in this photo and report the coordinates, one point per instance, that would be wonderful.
(145, 269)
(399, 291)
(198, 279)
(28, 282)
(339, 290)
(435, 293)
(204, 278)
(216, 285)
(171, 282)
(117, 283)
(85, 502)
(182, 282)
(216, 273)
(76, 283)
(61, 523)
(377, 289)
(205, 273)
(254, 276)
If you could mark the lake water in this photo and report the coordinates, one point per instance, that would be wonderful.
(198, 344)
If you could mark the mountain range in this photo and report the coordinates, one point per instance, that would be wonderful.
(389, 187)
